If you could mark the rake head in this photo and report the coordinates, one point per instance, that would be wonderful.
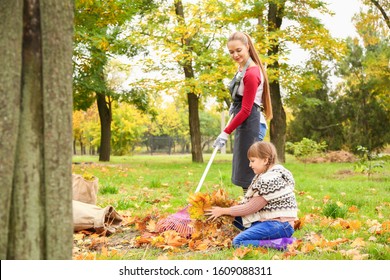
(179, 222)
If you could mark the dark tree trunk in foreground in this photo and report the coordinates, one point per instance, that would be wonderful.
(36, 129)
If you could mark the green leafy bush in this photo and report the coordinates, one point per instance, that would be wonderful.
(307, 148)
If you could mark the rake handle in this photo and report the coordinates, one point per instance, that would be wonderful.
(210, 162)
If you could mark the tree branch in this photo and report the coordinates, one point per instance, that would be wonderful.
(383, 12)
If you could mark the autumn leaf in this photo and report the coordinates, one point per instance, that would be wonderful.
(151, 226)
(354, 254)
(221, 198)
(385, 227)
(198, 245)
(358, 242)
(326, 199)
(353, 209)
(307, 247)
(241, 252)
(157, 241)
(199, 203)
(374, 226)
(174, 239)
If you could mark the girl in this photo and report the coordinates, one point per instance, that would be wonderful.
(269, 208)
(250, 91)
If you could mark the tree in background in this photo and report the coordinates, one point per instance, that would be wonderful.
(383, 7)
(36, 131)
(364, 98)
(187, 40)
(86, 130)
(314, 108)
(128, 128)
(100, 33)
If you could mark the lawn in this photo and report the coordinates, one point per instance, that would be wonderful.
(342, 214)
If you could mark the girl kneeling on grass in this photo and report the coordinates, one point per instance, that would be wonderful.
(269, 208)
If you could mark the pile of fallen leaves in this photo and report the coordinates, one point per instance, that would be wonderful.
(141, 232)
(205, 234)
(145, 234)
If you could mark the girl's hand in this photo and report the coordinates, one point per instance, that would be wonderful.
(215, 212)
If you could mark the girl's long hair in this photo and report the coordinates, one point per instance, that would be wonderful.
(266, 97)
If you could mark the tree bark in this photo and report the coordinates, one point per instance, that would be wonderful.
(278, 123)
(36, 138)
(104, 109)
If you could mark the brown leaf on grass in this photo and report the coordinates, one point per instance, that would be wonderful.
(140, 240)
(378, 209)
(85, 256)
(307, 219)
(198, 245)
(241, 252)
(326, 199)
(385, 227)
(354, 254)
(358, 242)
(172, 238)
(307, 247)
(157, 241)
(151, 226)
(355, 225)
(374, 226)
(353, 209)
(98, 243)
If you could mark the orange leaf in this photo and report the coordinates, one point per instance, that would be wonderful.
(172, 238)
(307, 247)
(358, 242)
(199, 203)
(355, 224)
(353, 209)
(151, 226)
(241, 252)
(326, 199)
(385, 227)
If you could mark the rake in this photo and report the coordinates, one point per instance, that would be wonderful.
(180, 221)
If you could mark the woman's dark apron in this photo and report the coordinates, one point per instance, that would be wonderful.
(245, 135)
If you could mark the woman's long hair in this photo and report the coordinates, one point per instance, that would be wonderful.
(266, 97)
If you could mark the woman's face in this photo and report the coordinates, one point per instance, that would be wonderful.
(238, 51)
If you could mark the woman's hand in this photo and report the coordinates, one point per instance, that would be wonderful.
(215, 212)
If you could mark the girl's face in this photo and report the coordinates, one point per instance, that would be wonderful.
(258, 165)
(238, 51)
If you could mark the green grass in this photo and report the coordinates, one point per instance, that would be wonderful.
(145, 184)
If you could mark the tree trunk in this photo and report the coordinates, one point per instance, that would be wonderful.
(104, 109)
(193, 99)
(36, 125)
(278, 122)
(196, 144)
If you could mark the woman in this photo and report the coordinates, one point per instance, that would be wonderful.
(250, 92)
